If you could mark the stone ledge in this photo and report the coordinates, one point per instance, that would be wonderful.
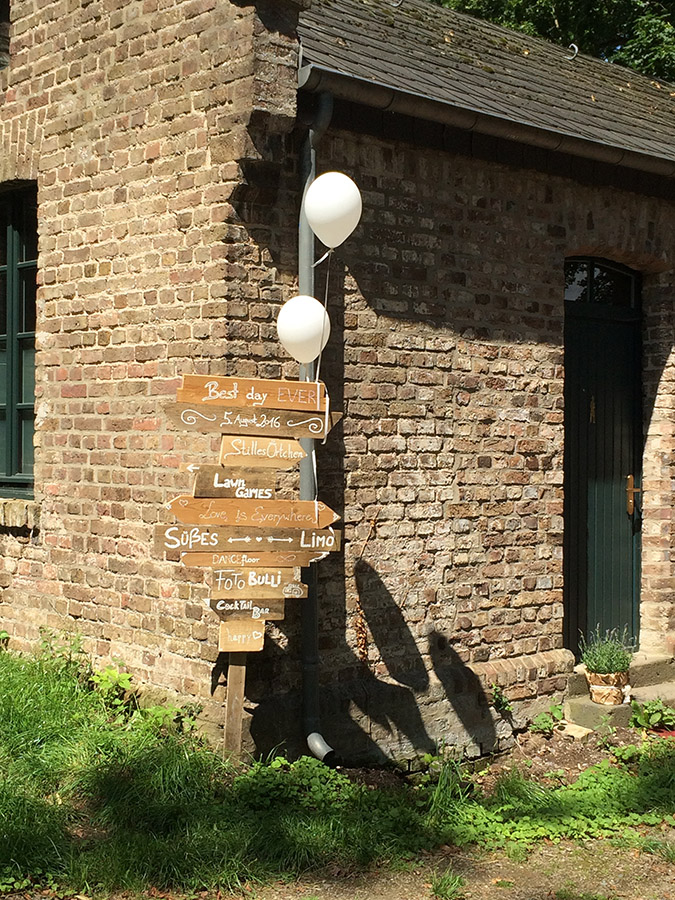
(19, 514)
(521, 669)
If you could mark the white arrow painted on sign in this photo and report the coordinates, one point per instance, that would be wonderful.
(281, 540)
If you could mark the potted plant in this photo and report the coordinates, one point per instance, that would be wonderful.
(607, 658)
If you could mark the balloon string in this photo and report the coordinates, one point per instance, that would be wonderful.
(324, 257)
(327, 256)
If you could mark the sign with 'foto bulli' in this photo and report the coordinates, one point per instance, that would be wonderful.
(256, 584)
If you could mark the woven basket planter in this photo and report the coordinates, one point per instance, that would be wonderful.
(607, 688)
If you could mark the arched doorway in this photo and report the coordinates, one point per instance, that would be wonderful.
(603, 447)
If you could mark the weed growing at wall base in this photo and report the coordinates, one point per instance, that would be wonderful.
(98, 796)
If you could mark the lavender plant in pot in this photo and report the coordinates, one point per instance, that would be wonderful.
(607, 658)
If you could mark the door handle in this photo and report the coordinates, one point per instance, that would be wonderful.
(631, 491)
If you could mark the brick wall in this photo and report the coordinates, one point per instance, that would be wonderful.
(446, 355)
(134, 120)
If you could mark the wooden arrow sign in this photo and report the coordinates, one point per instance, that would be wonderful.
(249, 540)
(217, 481)
(254, 558)
(252, 392)
(270, 422)
(241, 635)
(248, 452)
(251, 583)
(272, 610)
(252, 513)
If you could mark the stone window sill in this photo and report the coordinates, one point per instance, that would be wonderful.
(19, 514)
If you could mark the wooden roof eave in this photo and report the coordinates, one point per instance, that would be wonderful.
(316, 79)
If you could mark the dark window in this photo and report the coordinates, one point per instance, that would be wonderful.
(601, 282)
(4, 33)
(18, 270)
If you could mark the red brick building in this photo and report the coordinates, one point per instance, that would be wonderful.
(501, 346)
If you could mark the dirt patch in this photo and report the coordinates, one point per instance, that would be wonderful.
(592, 871)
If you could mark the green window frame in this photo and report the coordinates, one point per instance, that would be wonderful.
(18, 281)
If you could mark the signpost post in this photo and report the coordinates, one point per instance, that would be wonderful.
(232, 523)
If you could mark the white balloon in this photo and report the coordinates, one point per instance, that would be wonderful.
(333, 207)
(303, 327)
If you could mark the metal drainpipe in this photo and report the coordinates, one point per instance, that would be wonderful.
(310, 612)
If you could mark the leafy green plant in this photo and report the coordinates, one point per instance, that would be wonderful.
(116, 691)
(546, 722)
(500, 701)
(608, 652)
(653, 714)
(627, 754)
(447, 886)
(4, 639)
(605, 733)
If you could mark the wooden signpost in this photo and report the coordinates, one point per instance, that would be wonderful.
(232, 523)
(252, 513)
(270, 422)
(216, 481)
(215, 538)
(272, 609)
(221, 390)
(273, 453)
(254, 584)
(254, 558)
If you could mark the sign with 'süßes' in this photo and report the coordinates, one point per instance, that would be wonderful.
(214, 538)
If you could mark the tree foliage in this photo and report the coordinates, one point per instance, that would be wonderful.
(635, 33)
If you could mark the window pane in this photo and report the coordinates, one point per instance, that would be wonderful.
(27, 387)
(27, 227)
(3, 234)
(576, 282)
(3, 303)
(4, 462)
(26, 448)
(612, 287)
(3, 371)
(28, 289)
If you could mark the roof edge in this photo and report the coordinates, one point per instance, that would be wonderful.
(315, 78)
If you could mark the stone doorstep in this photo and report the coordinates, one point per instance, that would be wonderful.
(646, 669)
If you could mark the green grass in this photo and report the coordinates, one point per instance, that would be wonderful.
(96, 795)
(447, 886)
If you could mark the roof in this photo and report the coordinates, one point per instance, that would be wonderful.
(435, 63)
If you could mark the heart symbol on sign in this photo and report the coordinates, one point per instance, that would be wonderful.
(183, 502)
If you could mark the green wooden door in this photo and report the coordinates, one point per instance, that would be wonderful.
(602, 448)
